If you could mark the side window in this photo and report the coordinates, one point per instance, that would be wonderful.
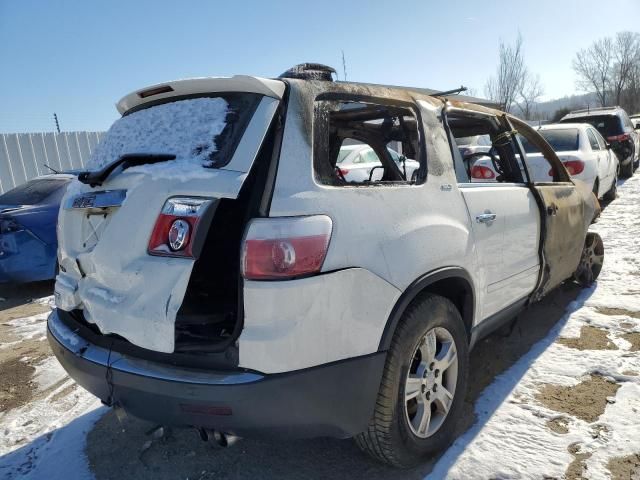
(378, 131)
(593, 141)
(370, 157)
(601, 141)
(493, 162)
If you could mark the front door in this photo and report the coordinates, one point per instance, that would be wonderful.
(564, 221)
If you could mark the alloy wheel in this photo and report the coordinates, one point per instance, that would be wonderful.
(591, 260)
(431, 382)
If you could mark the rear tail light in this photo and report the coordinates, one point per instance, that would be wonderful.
(288, 247)
(574, 167)
(343, 171)
(176, 226)
(481, 172)
(619, 138)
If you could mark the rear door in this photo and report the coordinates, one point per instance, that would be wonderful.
(565, 211)
(112, 267)
(504, 218)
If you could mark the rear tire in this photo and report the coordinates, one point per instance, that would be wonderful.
(612, 193)
(423, 385)
(596, 187)
(627, 170)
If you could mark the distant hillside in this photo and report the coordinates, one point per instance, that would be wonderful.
(545, 110)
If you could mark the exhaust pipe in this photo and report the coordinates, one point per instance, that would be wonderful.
(221, 438)
(225, 439)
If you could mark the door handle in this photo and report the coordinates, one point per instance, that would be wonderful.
(486, 217)
(552, 209)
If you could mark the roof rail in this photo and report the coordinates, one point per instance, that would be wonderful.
(594, 109)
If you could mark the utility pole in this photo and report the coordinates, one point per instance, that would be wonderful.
(55, 117)
(344, 67)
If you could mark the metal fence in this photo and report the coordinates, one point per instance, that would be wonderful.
(23, 155)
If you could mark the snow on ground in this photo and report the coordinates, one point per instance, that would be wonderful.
(519, 434)
(512, 437)
(45, 437)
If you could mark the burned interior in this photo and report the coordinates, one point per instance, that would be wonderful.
(388, 134)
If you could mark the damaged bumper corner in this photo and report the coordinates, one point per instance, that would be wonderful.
(334, 400)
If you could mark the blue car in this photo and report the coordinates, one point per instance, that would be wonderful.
(28, 218)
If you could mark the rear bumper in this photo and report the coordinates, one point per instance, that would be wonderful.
(335, 400)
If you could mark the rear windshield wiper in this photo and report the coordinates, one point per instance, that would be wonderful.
(95, 178)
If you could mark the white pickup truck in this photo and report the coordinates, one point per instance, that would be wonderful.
(217, 271)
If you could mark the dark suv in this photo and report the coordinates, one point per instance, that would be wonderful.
(615, 125)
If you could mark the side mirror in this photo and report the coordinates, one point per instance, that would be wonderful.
(608, 146)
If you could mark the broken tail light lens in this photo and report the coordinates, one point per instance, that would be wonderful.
(480, 172)
(176, 227)
(284, 248)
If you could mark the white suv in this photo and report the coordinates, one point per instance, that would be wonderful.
(217, 271)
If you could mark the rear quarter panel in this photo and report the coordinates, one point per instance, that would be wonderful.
(393, 233)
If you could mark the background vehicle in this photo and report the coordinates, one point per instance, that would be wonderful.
(28, 217)
(582, 150)
(473, 144)
(261, 294)
(635, 119)
(357, 162)
(614, 125)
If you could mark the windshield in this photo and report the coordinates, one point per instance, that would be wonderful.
(200, 132)
(607, 125)
(33, 192)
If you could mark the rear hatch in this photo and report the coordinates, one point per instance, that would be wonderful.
(125, 264)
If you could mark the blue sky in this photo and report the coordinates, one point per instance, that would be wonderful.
(77, 58)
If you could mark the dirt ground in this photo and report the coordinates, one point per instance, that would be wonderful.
(169, 453)
(142, 456)
(17, 362)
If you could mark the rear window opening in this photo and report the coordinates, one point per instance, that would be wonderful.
(360, 144)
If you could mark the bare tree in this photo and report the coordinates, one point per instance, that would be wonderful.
(631, 95)
(504, 86)
(626, 55)
(593, 67)
(529, 93)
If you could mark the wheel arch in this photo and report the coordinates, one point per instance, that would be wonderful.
(453, 283)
